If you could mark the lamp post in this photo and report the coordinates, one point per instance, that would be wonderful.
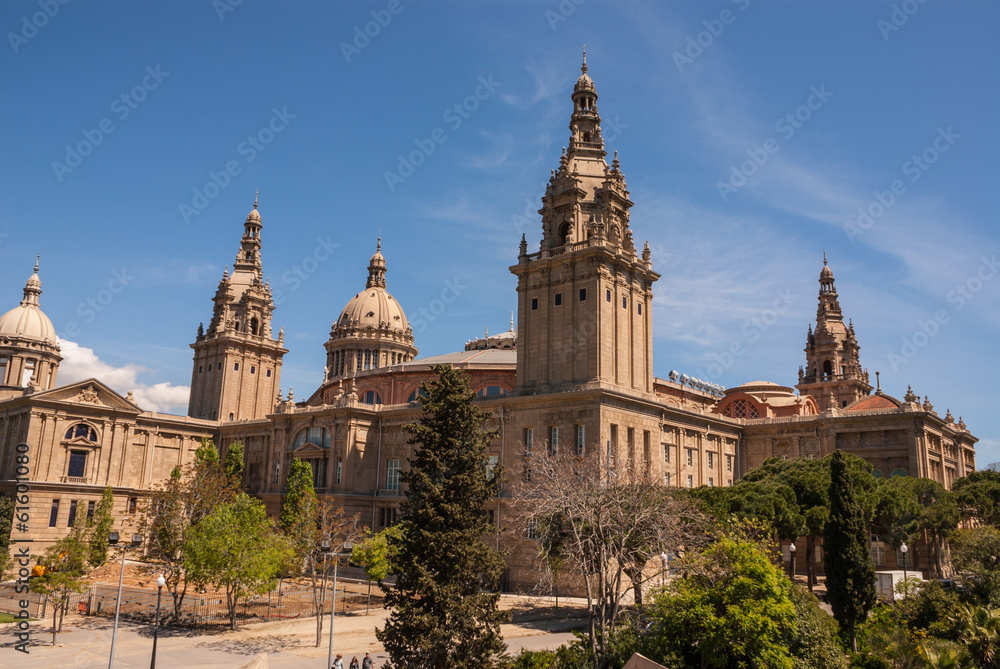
(333, 601)
(904, 549)
(160, 582)
(791, 560)
(663, 569)
(112, 542)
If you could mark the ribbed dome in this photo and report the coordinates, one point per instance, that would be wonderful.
(826, 272)
(374, 307)
(27, 320)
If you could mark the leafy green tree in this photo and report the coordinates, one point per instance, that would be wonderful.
(897, 513)
(100, 529)
(6, 525)
(374, 554)
(233, 465)
(298, 509)
(814, 643)
(207, 453)
(939, 518)
(733, 609)
(978, 496)
(444, 601)
(975, 554)
(850, 574)
(927, 607)
(65, 564)
(237, 548)
(979, 629)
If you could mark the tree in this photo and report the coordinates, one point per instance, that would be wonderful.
(605, 524)
(976, 556)
(100, 529)
(6, 525)
(850, 574)
(233, 465)
(65, 563)
(979, 629)
(444, 601)
(175, 507)
(978, 496)
(298, 509)
(814, 643)
(374, 554)
(733, 609)
(335, 532)
(939, 517)
(236, 547)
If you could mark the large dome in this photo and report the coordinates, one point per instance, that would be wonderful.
(374, 307)
(27, 320)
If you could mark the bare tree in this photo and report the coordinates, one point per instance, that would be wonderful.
(335, 531)
(605, 523)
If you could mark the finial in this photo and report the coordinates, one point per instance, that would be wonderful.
(37, 258)
(511, 320)
(487, 331)
(378, 246)
(878, 383)
(256, 195)
(225, 272)
(583, 68)
(824, 257)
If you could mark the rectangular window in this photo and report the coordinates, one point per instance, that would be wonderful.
(558, 299)
(340, 469)
(491, 466)
(640, 308)
(277, 471)
(533, 528)
(690, 456)
(90, 512)
(534, 304)
(54, 513)
(711, 460)
(609, 295)
(581, 439)
(319, 472)
(624, 303)
(630, 438)
(554, 440)
(220, 365)
(583, 294)
(269, 373)
(132, 503)
(361, 359)
(729, 482)
(690, 481)
(645, 447)
(392, 474)
(77, 464)
(729, 463)
(711, 481)
(666, 478)
(529, 440)
(666, 453)
(253, 369)
(878, 554)
(904, 560)
(72, 514)
(527, 475)
(199, 369)
(368, 359)
(236, 366)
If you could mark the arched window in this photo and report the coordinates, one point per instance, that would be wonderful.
(418, 392)
(898, 472)
(81, 430)
(876, 473)
(491, 391)
(827, 368)
(371, 397)
(313, 435)
(254, 326)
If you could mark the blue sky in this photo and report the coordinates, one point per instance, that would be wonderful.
(828, 107)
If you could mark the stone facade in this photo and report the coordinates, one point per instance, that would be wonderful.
(574, 375)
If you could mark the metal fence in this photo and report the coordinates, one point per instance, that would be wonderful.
(10, 601)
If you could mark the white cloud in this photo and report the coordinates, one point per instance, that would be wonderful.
(81, 363)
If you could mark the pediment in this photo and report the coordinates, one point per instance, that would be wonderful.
(90, 392)
(308, 448)
(79, 441)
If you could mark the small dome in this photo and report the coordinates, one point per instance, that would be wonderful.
(253, 216)
(374, 307)
(27, 320)
(584, 82)
(826, 273)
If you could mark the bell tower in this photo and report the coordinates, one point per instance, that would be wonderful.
(833, 364)
(237, 362)
(584, 297)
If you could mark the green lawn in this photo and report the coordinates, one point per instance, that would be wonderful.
(9, 617)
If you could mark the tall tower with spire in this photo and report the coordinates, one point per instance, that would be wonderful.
(833, 371)
(584, 296)
(29, 348)
(237, 361)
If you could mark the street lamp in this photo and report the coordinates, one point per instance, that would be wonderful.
(791, 560)
(904, 549)
(113, 538)
(160, 582)
(333, 599)
(663, 569)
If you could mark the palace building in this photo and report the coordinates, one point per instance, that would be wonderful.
(576, 374)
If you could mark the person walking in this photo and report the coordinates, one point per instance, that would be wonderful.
(354, 663)
(367, 662)
(339, 662)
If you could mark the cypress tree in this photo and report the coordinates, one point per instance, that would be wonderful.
(850, 574)
(444, 602)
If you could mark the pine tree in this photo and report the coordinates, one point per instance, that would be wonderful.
(444, 602)
(850, 574)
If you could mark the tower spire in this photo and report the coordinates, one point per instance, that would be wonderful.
(583, 68)
(376, 268)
